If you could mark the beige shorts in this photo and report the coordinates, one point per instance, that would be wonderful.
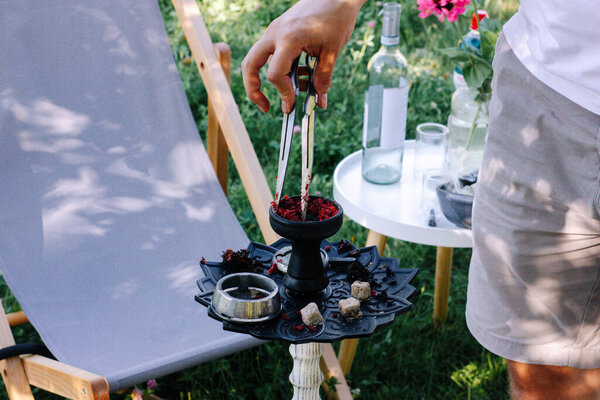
(534, 288)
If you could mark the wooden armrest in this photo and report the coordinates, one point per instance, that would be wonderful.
(227, 113)
(331, 369)
(17, 318)
(63, 379)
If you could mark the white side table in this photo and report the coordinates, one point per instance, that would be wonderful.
(394, 211)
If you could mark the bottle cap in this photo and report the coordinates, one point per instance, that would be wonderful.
(391, 24)
(481, 14)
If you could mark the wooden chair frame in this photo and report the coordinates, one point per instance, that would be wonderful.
(226, 134)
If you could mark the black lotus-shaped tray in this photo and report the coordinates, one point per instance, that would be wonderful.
(390, 283)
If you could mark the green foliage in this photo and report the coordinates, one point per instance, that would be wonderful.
(475, 64)
(475, 376)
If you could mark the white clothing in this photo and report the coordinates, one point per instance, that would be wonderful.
(558, 41)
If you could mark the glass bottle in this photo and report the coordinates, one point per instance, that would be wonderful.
(467, 125)
(468, 119)
(386, 103)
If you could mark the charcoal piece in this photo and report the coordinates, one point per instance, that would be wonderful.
(468, 179)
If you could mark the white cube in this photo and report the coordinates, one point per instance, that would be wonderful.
(311, 315)
(350, 307)
(360, 290)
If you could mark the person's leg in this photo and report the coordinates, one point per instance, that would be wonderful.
(544, 382)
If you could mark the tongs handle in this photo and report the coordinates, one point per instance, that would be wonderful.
(308, 136)
(311, 93)
(286, 135)
(294, 77)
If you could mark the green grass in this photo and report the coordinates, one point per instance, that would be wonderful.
(410, 359)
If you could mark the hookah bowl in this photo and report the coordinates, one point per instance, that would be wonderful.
(306, 277)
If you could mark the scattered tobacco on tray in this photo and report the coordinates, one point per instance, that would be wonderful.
(273, 268)
(354, 253)
(383, 296)
(317, 209)
(345, 246)
(357, 272)
(240, 261)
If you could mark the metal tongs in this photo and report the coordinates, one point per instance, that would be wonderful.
(308, 135)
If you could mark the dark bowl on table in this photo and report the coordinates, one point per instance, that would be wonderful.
(456, 207)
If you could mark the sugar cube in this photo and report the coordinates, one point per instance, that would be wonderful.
(350, 307)
(311, 315)
(360, 290)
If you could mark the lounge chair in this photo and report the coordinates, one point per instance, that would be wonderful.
(108, 198)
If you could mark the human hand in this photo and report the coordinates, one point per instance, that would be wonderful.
(318, 27)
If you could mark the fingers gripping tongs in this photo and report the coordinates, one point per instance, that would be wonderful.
(308, 136)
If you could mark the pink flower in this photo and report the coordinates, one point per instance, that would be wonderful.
(378, 3)
(297, 129)
(371, 24)
(257, 6)
(151, 384)
(449, 9)
(137, 394)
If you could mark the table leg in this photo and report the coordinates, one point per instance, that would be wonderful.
(346, 354)
(348, 346)
(443, 270)
(376, 239)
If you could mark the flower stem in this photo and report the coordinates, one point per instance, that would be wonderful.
(474, 3)
(462, 40)
(473, 126)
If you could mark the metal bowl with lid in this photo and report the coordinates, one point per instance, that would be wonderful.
(246, 297)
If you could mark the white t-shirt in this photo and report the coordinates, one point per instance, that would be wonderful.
(558, 41)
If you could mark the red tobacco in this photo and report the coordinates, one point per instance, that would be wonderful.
(317, 209)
